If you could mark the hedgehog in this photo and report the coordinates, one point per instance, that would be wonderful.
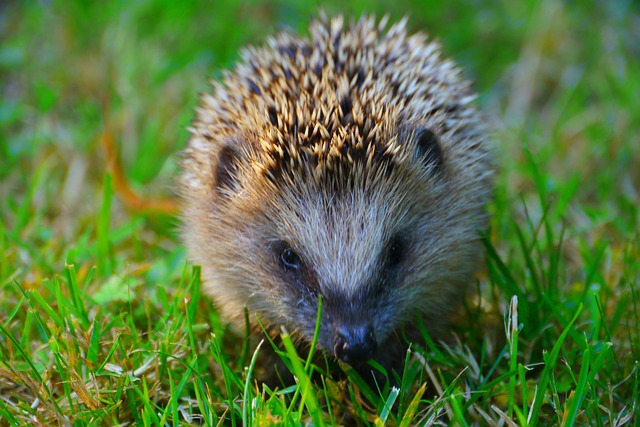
(349, 166)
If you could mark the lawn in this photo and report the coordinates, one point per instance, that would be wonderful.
(102, 319)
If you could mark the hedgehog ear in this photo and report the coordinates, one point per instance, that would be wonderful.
(226, 169)
(428, 147)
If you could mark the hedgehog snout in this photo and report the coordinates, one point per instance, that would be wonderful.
(353, 344)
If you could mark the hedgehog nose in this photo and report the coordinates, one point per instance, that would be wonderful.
(355, 344)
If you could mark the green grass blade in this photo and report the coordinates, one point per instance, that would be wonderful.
(246, 420)
(105, 263)
(304, 384)
(412, 408)
(550, 364)
(588, 371)
(388, 404)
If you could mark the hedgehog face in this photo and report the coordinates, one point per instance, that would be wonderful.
(366, 248)
(349, 166)
(358, 257)
(367, 236)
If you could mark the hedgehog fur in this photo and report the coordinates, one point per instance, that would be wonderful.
(350, 165)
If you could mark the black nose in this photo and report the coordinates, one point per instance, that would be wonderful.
(355, 344)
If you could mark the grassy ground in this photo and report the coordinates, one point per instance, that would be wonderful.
(101, 317)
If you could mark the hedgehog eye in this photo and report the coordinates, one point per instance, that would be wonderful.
(289, 260)
(396, 252)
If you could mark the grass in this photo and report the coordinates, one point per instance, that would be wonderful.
(102, 320)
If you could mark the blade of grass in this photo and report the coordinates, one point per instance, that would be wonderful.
(94, 344)
(412, 409)
(550, 363)
(456, 406)
(37, 301)
(246, 421)
(523, 414)
(112, 350)
(231, 382)
(80, 312)
(316, 333)
(388, 405)
(512, 338)
(312, 349)
(308, 397)
(104, 261)
(588, 371)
